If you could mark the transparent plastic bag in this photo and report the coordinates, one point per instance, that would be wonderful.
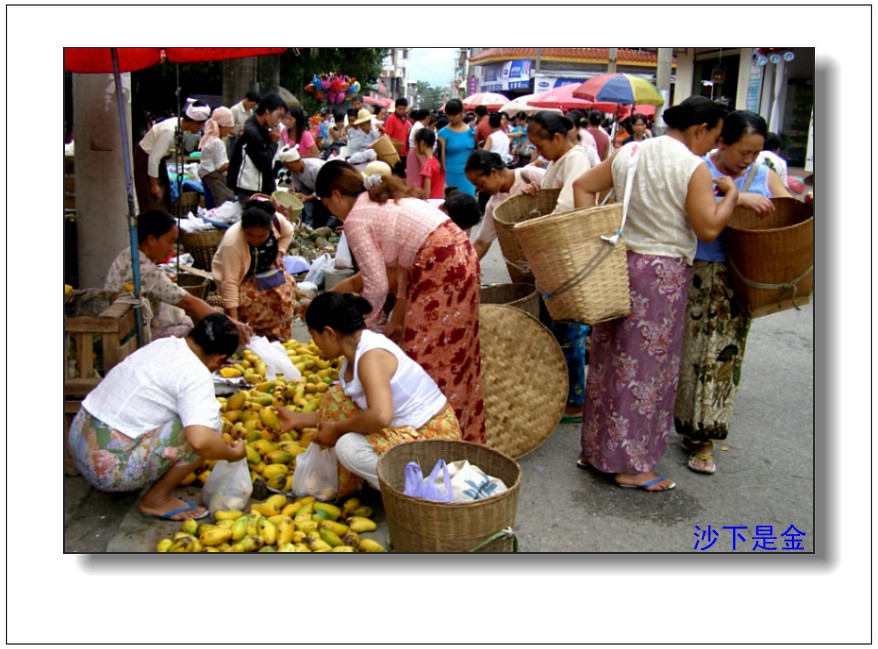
(228, 486)
(316, 473)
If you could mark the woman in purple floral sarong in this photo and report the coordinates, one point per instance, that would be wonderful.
(634, 361)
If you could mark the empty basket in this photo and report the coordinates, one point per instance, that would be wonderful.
(202, 245)
(517, 209)
(771, 257)
(520, 296)
(581, 276)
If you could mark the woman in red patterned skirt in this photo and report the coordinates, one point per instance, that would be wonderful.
(436, 319)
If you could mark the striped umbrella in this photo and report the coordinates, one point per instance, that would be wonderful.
(619, 88)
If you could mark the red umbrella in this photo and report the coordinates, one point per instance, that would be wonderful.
(643, 109)
(387, 102)
(560, 97)
(490, 100)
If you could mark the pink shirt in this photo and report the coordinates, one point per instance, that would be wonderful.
(388, 236)
(289, 137)
(432, 169)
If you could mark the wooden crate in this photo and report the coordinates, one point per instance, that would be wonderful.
(93, 345)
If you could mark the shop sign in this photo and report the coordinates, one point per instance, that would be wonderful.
(509, 75)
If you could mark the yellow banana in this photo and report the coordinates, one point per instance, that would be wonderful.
(229, 372)
(363, 510)
(333, 511)
(342, 548)
(250, 543)
(273, 470)
(265, 509)
(305, 512)
(307, 499)
(228, 514)
(351, 538)
(298, 535)
(279, 456)
(370, 545)
(236, 401)
(291, 509)
(349, 505)
(239, 529)
(216, 536)
(208, 548)
(306, 526)
(337, 528)
(277, 482)
(360, 524)
(226, 523)
(330, 537)
(269, 418)
(190, 526)
(252, 521)
(267, 531)
(286, 547)
(285, 531)
(163, 545)
(302, 547)
(233, 416)
(183, 544)
(253, 456)
(278, 501)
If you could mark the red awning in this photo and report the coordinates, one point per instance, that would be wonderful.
(131, 59)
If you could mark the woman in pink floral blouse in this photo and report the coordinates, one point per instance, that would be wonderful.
(437, 273)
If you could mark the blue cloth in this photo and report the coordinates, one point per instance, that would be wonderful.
(716, 251)
(571, 338)
(458, 146)
(188, 186)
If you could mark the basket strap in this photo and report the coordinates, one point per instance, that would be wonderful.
(504, 533)
(629, 185)
(596, 260)
(790, 286)
(522, 266)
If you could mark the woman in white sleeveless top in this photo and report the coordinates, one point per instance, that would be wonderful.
(634, 363)
(383, 397)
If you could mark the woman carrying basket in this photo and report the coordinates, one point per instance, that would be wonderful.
(716, 325)
(383, 397)
(437, 277)
(549, 133)
(635, 361)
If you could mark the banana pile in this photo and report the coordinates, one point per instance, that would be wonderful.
(247, 415)
(278, 525)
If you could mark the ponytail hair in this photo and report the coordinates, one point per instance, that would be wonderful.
(342, 311)
(343, 177)
(694, 111)
(215, 333)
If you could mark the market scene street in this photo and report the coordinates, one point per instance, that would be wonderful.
(439, 300)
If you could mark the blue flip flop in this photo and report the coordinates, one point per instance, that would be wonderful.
(646, 485)
(168, 516)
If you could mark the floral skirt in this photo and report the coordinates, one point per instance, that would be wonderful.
(713, 353)
(337, 406)
(112, 461)
(441, 331)
(634, 365)
(270, 313)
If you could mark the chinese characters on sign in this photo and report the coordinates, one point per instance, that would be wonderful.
(738, 538)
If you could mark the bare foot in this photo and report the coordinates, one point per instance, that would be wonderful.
(637, 480)
(162, 508)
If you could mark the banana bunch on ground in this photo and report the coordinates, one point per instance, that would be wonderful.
(248, 414)
(279, 524)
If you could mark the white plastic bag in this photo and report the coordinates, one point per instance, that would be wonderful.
(318, 269)
(228, 486)
(275, 358)
(469, 482)
(343, 259)
(316, 473)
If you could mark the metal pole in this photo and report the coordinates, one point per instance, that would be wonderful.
(611, 60)
(129, 185)
(178, 162)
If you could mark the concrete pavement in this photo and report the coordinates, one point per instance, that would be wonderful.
(765, 479)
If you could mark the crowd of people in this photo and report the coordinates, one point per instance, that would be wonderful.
(413, 327)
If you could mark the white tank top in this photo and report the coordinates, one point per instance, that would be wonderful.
(415, 396)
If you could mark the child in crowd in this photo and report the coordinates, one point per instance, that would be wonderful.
(432, 173)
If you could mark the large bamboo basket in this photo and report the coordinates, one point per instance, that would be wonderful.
(772, 257)
(517, 209)
(386, 151)
(581, 277)
(524, 379)
(202, 245)
(418, 525)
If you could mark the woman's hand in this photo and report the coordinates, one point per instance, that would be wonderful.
(759, 204)
(244, 330)
(327, 434)
(156, 189)
(724, 185)
(531, 190)
(237, 450)
(298, 420)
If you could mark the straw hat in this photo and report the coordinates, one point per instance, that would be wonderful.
(363, 116)
(379, 168)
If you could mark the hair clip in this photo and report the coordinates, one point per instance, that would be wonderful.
(371, 180)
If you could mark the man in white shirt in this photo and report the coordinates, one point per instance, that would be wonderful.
(300, 175)
(241, 112)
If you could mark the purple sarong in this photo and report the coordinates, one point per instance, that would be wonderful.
(634, 366)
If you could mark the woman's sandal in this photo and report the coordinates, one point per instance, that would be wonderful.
(702, 457)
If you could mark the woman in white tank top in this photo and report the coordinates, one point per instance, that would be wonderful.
(383, 397)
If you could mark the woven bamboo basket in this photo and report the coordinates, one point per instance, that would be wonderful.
(202, 245)
(524, 379)
(195, 285)
(190, 202)
(520, 296)
(772, 257)
(290, 202)
(580, 276)
(517, 209)
(386, 151)
(418, 525)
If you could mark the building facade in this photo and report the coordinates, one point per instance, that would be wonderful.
(395, 73)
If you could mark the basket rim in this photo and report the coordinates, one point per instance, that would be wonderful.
(510, 489)
(782, 228)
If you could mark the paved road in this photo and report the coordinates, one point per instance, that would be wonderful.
(765, 478)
